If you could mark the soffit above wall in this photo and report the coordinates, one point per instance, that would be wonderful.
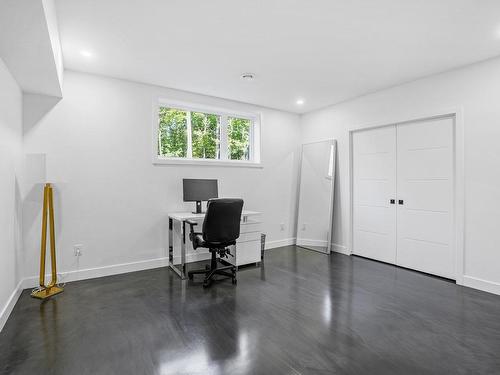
(29, 45)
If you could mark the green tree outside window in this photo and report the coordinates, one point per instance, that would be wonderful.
(239, 138)
(205, 137)
(172, 133)
(205, 130)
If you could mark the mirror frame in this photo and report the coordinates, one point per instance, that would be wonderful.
(332, 169)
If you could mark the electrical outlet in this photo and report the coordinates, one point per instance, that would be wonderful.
(282, 226)
(78, 250)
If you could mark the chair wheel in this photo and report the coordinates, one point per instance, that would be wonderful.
(206, 284)
(234, 281)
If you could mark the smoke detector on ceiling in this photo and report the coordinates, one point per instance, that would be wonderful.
(247, 76)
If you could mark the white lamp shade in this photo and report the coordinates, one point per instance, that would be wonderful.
(40, 170)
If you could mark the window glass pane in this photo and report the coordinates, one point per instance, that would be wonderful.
(172, 133)
(239, 138)
(205, 130)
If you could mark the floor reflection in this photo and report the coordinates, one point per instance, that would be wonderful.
(215, 346)
(50, 330)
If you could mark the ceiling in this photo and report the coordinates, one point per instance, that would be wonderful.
(321, 51)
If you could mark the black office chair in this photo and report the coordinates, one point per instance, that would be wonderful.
(221, 228)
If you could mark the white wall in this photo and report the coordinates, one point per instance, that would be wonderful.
(474, 89)
(10, 200)
(49, 8)
(114, 200)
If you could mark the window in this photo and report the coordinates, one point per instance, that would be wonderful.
(173, 133)
(185, 134)
(205, 135)
(238, 135)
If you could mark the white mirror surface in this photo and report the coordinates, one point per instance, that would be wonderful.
(316, 192)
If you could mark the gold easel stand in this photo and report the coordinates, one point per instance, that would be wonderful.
(46, 291)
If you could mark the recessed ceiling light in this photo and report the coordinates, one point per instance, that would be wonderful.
(300, 101)
(86, 53)
(247, 76)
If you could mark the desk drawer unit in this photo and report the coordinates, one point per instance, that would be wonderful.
(251, 236)
(247, 249)
(250, 226)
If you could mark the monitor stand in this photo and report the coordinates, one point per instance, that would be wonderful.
(198, 208)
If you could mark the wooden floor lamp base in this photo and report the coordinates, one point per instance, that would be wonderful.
(46, 291)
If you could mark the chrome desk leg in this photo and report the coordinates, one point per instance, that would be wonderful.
(179, 270)
(170, 240)
(183, 251)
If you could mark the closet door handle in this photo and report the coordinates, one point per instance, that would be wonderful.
(401, 202)
(392, 201)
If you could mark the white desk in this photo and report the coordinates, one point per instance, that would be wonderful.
(246, 250)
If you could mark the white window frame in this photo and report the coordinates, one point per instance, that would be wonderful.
(255, 141)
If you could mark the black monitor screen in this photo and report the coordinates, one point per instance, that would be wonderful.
(199, 190)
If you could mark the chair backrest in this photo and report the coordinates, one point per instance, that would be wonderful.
(222, 220)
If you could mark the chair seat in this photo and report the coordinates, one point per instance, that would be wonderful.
(198, 241)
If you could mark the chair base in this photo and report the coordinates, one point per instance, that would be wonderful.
(211, 271)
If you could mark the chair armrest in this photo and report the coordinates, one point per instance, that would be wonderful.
(192, 233)
(191, 222)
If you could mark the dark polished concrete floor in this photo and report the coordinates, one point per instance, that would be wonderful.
(301, 313)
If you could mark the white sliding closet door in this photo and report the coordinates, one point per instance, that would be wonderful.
(374, 177)
(403, 195)
(425, 181)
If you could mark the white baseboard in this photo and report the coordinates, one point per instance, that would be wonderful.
(91, 273)
(484, 285)
(9, 306)
(340, 249)
(280, 243)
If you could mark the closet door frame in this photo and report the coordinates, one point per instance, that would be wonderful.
(459, 181)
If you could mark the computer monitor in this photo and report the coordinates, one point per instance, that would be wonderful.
(197, 190)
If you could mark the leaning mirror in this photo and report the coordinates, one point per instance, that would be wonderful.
(316, 192)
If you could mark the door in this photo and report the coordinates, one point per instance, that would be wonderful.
(425, 187)
(374, 185)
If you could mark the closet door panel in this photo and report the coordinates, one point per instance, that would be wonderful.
(425, 184)
(433, 258)
(374, 245)
(372, 193)
(426, 195)
(364, 219)
(425, 225)
(425, 164)
(375, 166)
(374, 184)
(426, 134)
